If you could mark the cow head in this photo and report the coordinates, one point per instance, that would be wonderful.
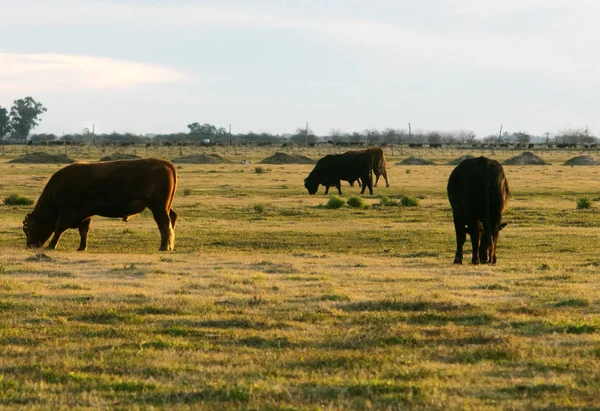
(37, 231)
(311, 185)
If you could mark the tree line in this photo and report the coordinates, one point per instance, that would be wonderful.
(16, 126)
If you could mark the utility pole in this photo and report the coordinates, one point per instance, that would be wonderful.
(500, 134)
(306, 134)
(230, 134)
(409, 133)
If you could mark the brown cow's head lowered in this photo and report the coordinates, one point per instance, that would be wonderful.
(37, 231)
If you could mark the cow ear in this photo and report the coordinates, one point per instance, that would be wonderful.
(502, 226)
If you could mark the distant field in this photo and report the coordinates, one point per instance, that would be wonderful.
(302, 307)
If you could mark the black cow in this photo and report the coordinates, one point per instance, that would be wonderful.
(478, 193)
(331, 169)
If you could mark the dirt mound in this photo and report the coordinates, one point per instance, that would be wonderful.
(525, 159)
(201, 159)
(283, 158)
(117, 156)
(459, 160)
(584, 160)
(43, 158)
(415, 161)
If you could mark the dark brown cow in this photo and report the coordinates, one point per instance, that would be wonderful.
(120, 189)
(331, 169)
(478, 193)
(379, 164)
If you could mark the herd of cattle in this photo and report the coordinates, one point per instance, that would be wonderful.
(477, 190)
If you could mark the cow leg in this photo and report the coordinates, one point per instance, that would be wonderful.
(376, 179)
(84, 227)
(61, 227)
(475, 234)
(167, 236)
(367, 182)
(338, 185)
(326, 190)
(384, 174)
(173, 216)
(461, 237)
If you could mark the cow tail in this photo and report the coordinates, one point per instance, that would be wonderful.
(174, 171)
(382, 165)
(487, 224)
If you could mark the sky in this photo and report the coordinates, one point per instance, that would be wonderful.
(150, 66)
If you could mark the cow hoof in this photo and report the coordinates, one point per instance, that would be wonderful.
(458, 262)
(81, 249)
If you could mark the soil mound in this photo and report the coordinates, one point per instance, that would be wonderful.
(118, 156)
(415, 161)
(201, 159)
(525, 159)
(584, 160)
(43, 158)
(459, 160)
(283, 158)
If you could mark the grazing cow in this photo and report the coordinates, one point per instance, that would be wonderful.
(333, 168)
(478, 193)
(379, 164)
(119, 189)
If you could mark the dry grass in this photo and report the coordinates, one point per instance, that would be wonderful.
(302, 307)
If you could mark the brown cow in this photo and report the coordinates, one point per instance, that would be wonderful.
(478, 193)
(120, 189)
(379, 164)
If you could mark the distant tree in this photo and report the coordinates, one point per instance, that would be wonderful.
(522, 138)
(418, 138)
(491, 139)
(337, 136)
(303, 136)
(465, 137)
(4, 122)
(576, 136)
(434, 137)
(38, 138)
(24, 116)
(373, 136)
(402, 136)
(547, 138)
(356, 137)
(202, 131)
(389, 136)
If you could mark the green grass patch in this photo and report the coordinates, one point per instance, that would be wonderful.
(357, 202)
(16, 199)
(408, 201)
(335, 202)
(388, 202)
(584, 203)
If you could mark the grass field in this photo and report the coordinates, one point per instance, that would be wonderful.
(273, 302)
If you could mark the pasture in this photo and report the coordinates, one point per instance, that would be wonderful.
(271, 301)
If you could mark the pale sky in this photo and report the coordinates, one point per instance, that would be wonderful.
(150, 66)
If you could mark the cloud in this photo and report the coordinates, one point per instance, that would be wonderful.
(560, 56)
(99, 13)
(59, 72)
